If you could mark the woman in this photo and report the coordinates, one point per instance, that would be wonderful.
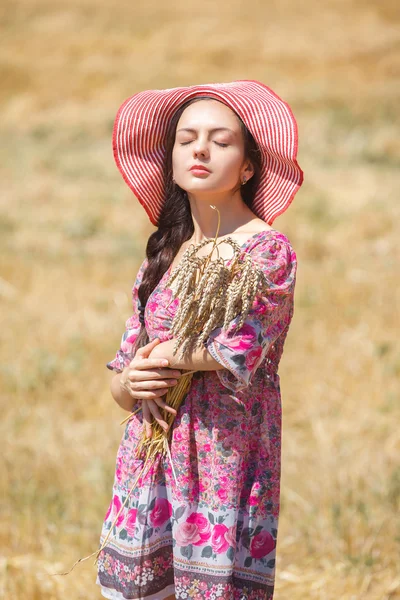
(212, 531)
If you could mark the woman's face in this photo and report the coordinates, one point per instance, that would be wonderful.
(208, 133)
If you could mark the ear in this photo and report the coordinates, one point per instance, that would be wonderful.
(248, 171)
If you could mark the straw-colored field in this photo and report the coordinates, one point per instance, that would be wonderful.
(72, 236)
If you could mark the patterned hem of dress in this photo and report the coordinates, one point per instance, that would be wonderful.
(114, 595)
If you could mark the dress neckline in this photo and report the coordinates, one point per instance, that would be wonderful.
(245, 243)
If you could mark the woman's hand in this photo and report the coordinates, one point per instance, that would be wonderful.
(148, 379)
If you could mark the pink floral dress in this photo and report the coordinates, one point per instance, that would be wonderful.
(214, 534)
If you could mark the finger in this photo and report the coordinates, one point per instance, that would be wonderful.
(151, 363)
(162, 403)
(147, 419)
(153, 374)
(150, 395)
(145, 350)
(151, 384)
(157, 415)
(155, 341)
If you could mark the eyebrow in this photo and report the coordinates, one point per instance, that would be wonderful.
(211, 130)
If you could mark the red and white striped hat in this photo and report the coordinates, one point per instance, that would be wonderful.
(139, 141)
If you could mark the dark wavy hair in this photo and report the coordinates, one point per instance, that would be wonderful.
(175, 225)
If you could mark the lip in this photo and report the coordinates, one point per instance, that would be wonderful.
(200, 169)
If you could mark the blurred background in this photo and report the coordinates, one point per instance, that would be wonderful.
(72, 237)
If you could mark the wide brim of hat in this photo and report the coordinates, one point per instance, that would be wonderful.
(139, 141)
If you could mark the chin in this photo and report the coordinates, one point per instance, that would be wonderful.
(201, 185)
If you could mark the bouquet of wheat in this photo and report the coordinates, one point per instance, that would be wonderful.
(211, 295)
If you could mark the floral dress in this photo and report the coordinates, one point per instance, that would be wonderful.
(213, 532)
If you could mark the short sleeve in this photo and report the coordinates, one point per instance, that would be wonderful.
(132, 328)
(243, 351)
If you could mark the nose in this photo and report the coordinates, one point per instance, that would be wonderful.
(200, 147)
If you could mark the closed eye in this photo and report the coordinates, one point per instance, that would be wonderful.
(218, 144)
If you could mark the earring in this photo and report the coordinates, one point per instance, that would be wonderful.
(244, 181)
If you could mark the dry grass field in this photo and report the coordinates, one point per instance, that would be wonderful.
(72, 236)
